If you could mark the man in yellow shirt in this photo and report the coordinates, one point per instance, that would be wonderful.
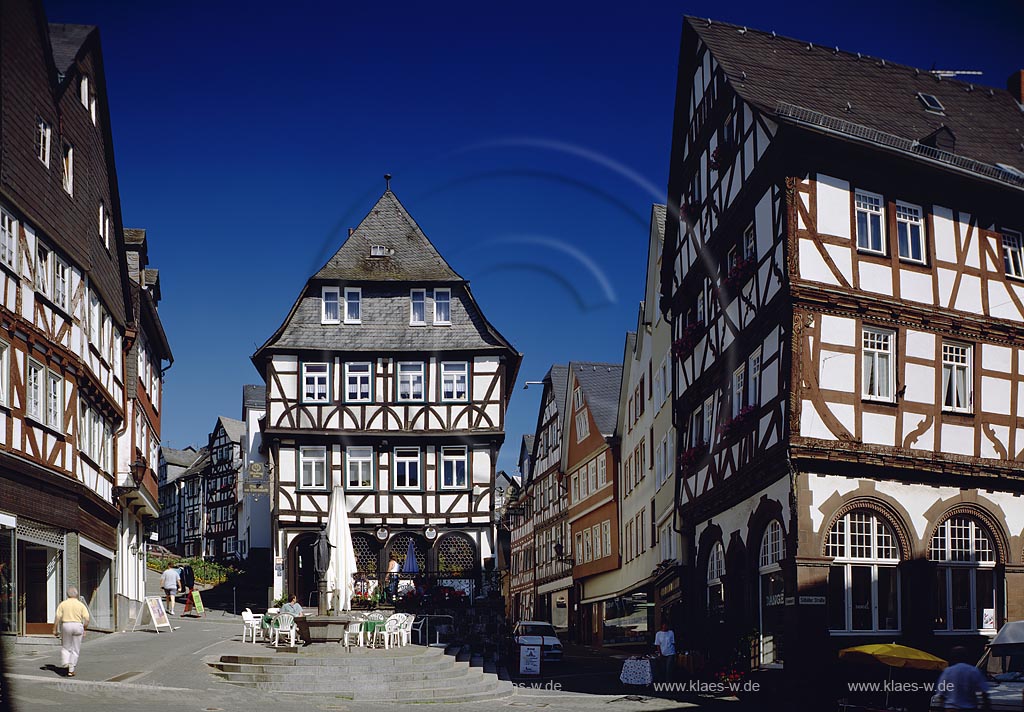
(69, 625)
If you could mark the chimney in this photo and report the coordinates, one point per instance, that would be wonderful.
(1015, 85)
(350, 231)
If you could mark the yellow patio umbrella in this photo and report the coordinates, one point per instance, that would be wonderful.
(893, 655)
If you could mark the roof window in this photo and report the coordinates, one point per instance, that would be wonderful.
(378, 251)
(930, 102)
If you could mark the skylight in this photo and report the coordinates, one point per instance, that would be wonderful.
(378, 251)
(930, 102)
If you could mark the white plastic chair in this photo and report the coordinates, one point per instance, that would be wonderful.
(389, 634)
(354, 629)
(251, 623)
(405, 629)
(416, 626)
(284, 623)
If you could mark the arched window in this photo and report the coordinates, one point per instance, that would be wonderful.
(965, 578)
(716, 570)
(863, 581)
(772, 593)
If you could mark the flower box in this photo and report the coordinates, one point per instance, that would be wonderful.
(688, 460)
(722, 156)
(737, 425)
(684, 345)
(742, 271)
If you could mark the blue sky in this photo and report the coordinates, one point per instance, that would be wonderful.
(250, 136)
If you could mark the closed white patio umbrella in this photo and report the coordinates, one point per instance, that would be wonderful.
(343, 556)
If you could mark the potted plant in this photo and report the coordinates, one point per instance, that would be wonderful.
(742, 271)
(684, 345)
(738, 424)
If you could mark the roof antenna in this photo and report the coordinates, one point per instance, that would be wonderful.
(387, 182)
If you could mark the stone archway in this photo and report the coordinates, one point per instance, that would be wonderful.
(301, 574)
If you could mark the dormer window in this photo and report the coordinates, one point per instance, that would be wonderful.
(930, 102)
(378, 251)
(69, 169)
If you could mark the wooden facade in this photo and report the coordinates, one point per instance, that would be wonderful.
(69, 319)
(846, 306)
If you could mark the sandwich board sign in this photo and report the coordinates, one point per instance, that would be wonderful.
(154, 605)
(197, 602)
(529, 660)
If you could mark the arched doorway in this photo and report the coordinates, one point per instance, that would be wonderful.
(301, 573)
(399, 548)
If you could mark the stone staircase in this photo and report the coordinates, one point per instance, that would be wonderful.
(401, 675)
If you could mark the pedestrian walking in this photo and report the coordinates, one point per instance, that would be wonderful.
(188, 584)
(170, 582)
(69, 625)
(960, 684)
(665, 642)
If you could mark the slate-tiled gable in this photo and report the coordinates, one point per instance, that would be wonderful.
(386, 283)
(600, 383)
(764, 69)
(410, 255)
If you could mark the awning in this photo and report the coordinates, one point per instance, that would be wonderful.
(557, 585)
(622, 592)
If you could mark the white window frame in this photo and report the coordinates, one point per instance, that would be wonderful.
(34, 389)
(739, 387)
(418, 297)
(317, 378)
(577, 398)
(325, 316)
(716, 570)
(956, 364)
(595, 536)
(709, 419)
(360, 457)
(5, 373)
(1013, 253)
(864, 202)
(54, 400)
(909, 216)
(358, 378)
(971, 559)
(61, 281)
(451, 371)
(44, 275)
(438, 321)
(353, 296)
(409, 370)
(83, 91)
(750, 242)
(882, 551)
(872, 354)
(450, 458)
(8, 239)
(602, 471)
(317, 479)
(68, 167)
(43, 136)
(754, 389)
(408, 456)
(582, 426)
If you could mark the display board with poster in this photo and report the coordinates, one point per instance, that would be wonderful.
(529, 660)
(154, 606)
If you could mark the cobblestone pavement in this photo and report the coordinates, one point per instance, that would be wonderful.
(156, 672)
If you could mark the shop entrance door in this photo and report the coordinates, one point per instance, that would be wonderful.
(41, 585)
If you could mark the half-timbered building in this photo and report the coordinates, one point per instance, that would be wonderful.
(192, 505)
(589, 459)
(173, 464)
(386, 379)
(519, 522)
(220, 539)
(844, 280)
(65, 305)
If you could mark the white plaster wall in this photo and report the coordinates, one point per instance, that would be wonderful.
(833, 207)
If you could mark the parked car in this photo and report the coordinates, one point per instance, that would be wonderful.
(1003, 665)
(539, 633)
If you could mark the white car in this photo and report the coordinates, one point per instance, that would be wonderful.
(1003, 665)
(539, 633)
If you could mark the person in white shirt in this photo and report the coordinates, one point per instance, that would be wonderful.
(170, 581)
(665, 643)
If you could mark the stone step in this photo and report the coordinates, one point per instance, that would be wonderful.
(441, 677)
(374, 658)
(357, 668)
(483, 690)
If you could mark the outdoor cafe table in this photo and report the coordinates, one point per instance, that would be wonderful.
(636, 671)
(370, 628)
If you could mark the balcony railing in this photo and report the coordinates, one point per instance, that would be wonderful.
(424, 589)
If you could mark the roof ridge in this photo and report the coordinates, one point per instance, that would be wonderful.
(834, 50)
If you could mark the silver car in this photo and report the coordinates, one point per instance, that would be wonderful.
(1003, 665)
(539, 633)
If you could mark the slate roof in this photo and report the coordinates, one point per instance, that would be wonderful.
(384, 305)
(601, 383)
(528, 442)
(201, 462)
(764, 69)
(254, 396)
(559, 376)
(235, 429)
(181, 458)
(410, 255)
(65, 41)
